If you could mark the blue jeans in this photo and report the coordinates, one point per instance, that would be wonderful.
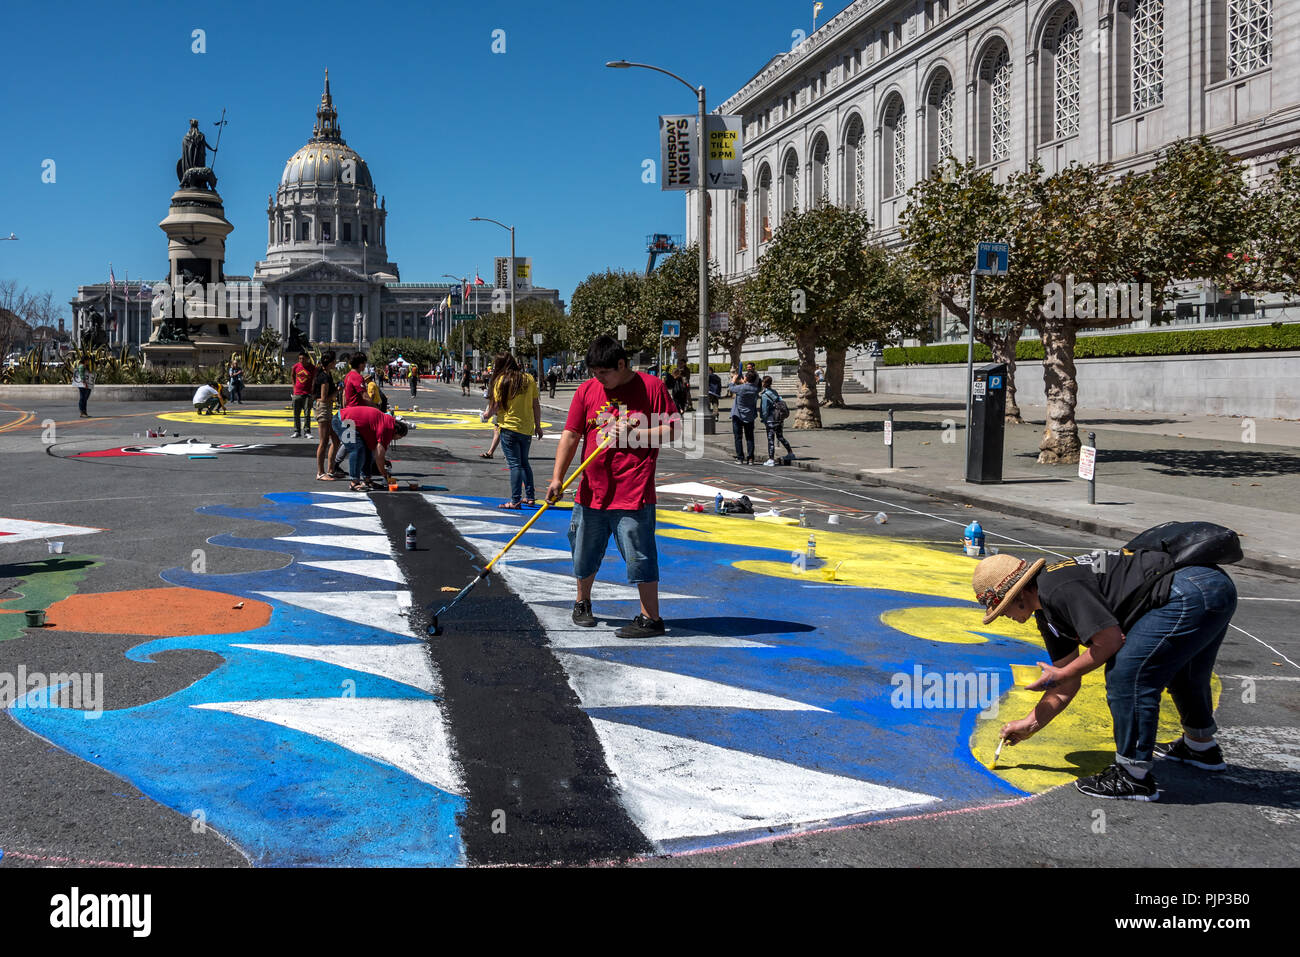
(82, 395)
(739, 428)
(514, 446)
(1172, 647)
(357, 454)
(634, 533)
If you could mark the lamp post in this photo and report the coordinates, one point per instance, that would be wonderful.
(464, 281)
(484, 219)
(704, 423)
(5, 239)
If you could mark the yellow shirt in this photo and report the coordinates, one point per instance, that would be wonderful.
(518, 415)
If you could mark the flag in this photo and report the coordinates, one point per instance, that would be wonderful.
(465, 294)
(112, 281)
(817, 9)
(429, 314)
(478, 281)
(447, 302)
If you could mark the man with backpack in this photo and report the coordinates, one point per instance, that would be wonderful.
(774, 412)
(1153, 618)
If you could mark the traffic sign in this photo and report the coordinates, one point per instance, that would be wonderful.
(462, 316)
(1087, 462)
(537, 338)
(991, 259)
(719, 321)
(889, 432)
(672, 329)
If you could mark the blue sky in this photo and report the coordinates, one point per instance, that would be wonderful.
(543, 135)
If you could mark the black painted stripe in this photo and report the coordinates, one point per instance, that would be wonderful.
(526, 746)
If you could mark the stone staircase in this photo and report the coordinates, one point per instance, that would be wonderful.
(788, 386)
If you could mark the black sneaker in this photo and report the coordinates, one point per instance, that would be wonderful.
(582, 614)
(1209, 760)
(642, 627)
(1118, 784)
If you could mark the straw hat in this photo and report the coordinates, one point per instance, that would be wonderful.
(999, 579)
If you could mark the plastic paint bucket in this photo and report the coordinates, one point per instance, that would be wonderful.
(56, 548)
(35, 619)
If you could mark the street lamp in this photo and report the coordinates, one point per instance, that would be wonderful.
(464, 281)
(704, 425)
(9, 237)
(484, 219)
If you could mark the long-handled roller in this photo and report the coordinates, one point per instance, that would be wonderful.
(434, 628)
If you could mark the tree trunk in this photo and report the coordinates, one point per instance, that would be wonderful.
(1060, 444)
(834, 396)
(734, 351)
(807, 415)
(1004, 350)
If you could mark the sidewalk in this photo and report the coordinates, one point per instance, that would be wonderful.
(1151, 467)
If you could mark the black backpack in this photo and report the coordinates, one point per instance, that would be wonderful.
(1191, 543)
(738, 506)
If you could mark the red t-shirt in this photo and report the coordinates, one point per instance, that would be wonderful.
(354, 386)
(303, 376)
(621, 478)
(373, 427)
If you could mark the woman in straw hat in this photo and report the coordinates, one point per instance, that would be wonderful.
(1173, 623)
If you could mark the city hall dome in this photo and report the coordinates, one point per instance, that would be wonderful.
(326, 159)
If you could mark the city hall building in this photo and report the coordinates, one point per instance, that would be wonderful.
(874, 100)
(327, 260)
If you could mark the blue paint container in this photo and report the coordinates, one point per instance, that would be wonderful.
(975, 538)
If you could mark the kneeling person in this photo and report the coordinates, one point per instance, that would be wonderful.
(365, 432)
(206, 398)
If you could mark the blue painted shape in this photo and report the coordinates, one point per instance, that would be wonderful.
(283, 796)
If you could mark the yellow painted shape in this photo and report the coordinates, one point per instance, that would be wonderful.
(283, 418)
(958, 626)
(776, 519)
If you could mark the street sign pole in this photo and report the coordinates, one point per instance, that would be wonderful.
(970, 363)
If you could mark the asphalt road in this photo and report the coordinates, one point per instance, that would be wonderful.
(543, 765)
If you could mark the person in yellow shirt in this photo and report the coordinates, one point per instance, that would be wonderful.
(516, 402)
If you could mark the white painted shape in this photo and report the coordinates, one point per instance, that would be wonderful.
(469, 527)
(675, 787)
(533, 585)
(519, 552)
(356, 523)
(441, 500)
(408, 664)
(376, 544)
(409, 735)
(383, 569)
(20, 530)
(610, 684)
(385, 610)
(361, 506)
(481, 512)
(700, 490)
(562, 633)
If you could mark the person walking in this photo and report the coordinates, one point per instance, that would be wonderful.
(304, 374)
(553, 378)
(616, 495)
(1152, 626)
(465, 379)
(326, 392)
(744, 410)
(515, 397)
(415, 382)
(770, 413)
(682, 389)
(84, 380)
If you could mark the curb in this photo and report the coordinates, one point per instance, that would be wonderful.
(1265, 563)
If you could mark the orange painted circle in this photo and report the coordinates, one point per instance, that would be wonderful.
(164, 612)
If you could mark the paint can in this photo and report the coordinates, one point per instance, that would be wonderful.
(881, 518)
(833, 519)
(410, 538)
(56, 548)
(35, 619)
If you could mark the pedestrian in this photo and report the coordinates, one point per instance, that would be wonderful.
(465, 379)
(415, 382)
(367, 434)
(682, 389)
(616, 494)
(236, 380)
(354, 383)
(715, 394)
(84, 380)
(1151, 626)
(744, 410)
(304, 374)
(515, 396)
(206, 398)
(325, 393)
(553, 378)
(770, 413)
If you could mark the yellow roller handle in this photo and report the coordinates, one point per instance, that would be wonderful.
(538, 514)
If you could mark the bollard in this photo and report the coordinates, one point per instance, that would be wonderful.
(889, 437)
(1092, 480)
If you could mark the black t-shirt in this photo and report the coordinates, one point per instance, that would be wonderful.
(1089, 593)
(324, 376)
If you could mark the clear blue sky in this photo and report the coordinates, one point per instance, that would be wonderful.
(543, 136)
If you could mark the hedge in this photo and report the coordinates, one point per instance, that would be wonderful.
(1272, 338)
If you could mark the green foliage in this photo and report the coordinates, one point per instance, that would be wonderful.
(672, 294)
(1183, 342)
(1273, 261)
(600, 303)
(421, 352)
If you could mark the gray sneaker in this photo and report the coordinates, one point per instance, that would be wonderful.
(1209, 760)
(582, 614)
(642, 627)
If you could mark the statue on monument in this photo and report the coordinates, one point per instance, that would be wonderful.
(297, 341)
(192, 169)
(92, 331)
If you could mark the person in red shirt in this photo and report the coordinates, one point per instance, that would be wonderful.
(616, 494)
(365, 431)
(354, 384)
(304, 377)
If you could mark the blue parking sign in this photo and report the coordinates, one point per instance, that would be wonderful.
(995, 382)
(991, 259)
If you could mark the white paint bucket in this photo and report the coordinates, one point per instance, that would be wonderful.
(881, 518)
(973, 551)
(56, 548)
(833, 520)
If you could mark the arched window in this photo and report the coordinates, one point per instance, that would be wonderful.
(1146, 37)
(790, 183)
(994, 104)
(855, 165)
(893, 163)
(1250, 35)
(1062, 40)
(821, 171)
(742, 215)
(764, 203)
(939, 108)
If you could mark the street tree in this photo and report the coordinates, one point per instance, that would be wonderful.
(602, 302)
(736, 300)
(539, 316)
(672, 293)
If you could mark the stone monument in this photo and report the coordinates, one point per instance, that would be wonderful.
(192, 324)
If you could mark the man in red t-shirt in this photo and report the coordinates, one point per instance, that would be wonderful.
(363, 429)
(304, 375)
(616, 494)
(354, 384)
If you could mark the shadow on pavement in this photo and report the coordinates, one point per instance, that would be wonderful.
(1208, 463)
(736, 627)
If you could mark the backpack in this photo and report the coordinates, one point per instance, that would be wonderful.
(738, 506)
(778, 411)
(1191, 543)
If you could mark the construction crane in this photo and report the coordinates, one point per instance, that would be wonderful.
(660, 244)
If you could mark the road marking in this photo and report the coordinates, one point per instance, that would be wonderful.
(1266, 645)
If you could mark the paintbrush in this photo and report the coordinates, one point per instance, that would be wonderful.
(997, 753)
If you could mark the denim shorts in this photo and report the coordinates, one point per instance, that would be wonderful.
(634, 533)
